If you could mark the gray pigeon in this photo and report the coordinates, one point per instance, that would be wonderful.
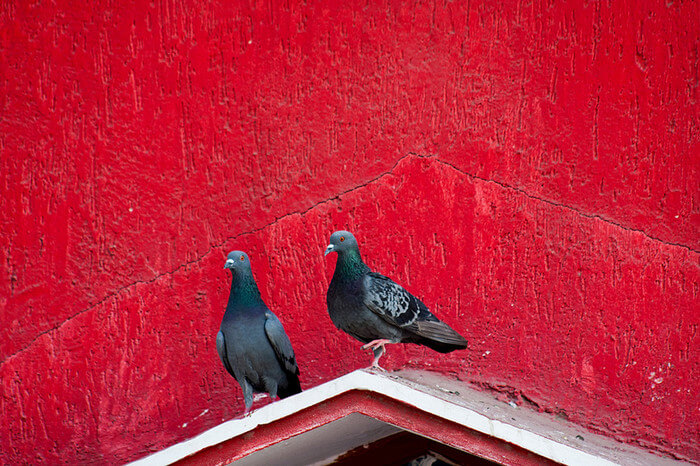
(251, 342)
(375, 310)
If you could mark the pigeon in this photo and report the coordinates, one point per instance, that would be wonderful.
(376, 310)
(251, 342)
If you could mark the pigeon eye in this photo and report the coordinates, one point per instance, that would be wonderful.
(342, 238)
(242, 258)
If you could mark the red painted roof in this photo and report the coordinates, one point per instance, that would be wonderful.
(326, 421)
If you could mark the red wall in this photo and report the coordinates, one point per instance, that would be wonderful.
(530, 170)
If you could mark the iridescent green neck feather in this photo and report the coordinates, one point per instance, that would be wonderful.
(244, 290)
(350, 265)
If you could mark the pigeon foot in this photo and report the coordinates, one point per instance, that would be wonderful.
(375, 366)
(375, 344)
(377, 347)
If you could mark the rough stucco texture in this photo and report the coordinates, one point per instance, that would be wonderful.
(529, 169)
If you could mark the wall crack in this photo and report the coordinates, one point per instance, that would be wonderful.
(213, 247)
(556, 204)
(337, 196)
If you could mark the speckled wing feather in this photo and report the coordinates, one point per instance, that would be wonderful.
(392, 302)
(399, 307)
(280, 343)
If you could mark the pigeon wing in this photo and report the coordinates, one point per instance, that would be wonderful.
(399, 307)
(280, 343)
(393, 303)
(221, 349)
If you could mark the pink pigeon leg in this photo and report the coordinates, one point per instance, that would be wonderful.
(374, 344)
(377, 346)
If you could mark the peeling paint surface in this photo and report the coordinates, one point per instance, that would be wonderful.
(529, 170)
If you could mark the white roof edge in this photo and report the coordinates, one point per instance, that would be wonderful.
(364, 380)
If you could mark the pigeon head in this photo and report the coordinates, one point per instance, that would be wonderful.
(342, 241)
(237, 261)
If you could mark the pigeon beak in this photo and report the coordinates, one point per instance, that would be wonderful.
(228, 264)
(329, 249)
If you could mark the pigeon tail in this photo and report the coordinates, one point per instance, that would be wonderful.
(438, 336)
(292, 388)
(441, 347)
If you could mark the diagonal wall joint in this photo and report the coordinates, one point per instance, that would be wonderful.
(337, 196)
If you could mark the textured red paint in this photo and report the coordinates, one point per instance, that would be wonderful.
(530, 170)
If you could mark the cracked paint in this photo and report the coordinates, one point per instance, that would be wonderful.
(215, 247)
(336, 197)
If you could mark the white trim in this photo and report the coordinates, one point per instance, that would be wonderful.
(363, 380)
